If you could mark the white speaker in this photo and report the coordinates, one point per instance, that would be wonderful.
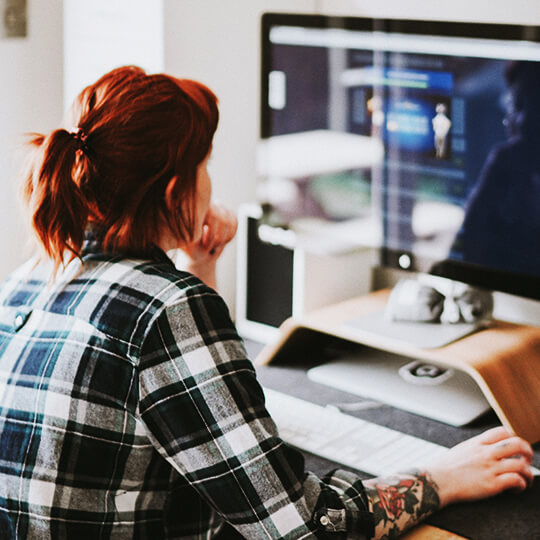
(280, 274)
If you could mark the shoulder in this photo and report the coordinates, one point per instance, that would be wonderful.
(120, 297)
(193, 331)
(180, 296)
(124, 300)
(11, 290)
(187, 303)
(127, 297)
(509, 150)
(160, 281)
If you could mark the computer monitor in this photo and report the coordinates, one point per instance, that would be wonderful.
(426, 134)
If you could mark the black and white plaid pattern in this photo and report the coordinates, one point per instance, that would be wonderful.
(128, 409)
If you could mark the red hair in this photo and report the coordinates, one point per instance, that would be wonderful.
(129, 166)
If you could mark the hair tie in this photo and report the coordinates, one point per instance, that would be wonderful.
(80, 136)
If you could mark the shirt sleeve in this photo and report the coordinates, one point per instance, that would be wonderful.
(204, 410)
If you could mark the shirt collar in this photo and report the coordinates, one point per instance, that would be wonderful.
(93, 244)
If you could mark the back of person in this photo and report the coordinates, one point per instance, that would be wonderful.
(70, 392)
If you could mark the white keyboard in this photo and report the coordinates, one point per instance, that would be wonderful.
(345, 439)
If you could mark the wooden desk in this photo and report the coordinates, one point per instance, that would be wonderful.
(428, 532)
(503, 359)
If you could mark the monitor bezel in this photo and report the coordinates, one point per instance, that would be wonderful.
(487, 278)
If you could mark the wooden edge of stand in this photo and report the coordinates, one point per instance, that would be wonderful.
(503, 359)
(267, 354)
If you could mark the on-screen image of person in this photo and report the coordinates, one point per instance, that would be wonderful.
(441, 127)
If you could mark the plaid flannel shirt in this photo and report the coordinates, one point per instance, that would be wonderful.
(128, 409)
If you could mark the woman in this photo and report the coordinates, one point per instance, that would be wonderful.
(128, 407)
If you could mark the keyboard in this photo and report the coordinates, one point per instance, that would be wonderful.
(345, 439)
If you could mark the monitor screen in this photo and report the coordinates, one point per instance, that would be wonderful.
(420, 137)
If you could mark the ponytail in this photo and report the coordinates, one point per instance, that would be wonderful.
(53, 193)
(130, 172)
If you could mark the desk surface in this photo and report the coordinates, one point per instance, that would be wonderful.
(506, 517)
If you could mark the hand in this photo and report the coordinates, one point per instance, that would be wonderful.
(219, 228)
(480, 467)
(483, 466)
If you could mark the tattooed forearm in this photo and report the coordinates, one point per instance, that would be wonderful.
(400, 502)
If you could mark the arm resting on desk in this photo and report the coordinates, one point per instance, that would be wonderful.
(481, 467)
(401, 501)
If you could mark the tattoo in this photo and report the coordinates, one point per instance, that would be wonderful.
(400, 502)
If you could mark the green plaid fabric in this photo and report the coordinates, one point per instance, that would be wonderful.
(128, 409)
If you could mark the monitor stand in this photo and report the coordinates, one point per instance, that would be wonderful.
(503, 360)
(426, 335)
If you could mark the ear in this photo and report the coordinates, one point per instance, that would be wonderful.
(169, 193)
(178, 213)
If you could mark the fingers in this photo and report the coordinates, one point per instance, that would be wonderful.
(519, 466)
(510, 481)
(205, 238)
(512, 446)
(505, 444)
(513, 457)
(494, 435)
(484, 466)
(220, 226)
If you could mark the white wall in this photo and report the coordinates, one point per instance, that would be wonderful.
(30, 100)
(217, 42)
(493, 11)
(100, 35)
